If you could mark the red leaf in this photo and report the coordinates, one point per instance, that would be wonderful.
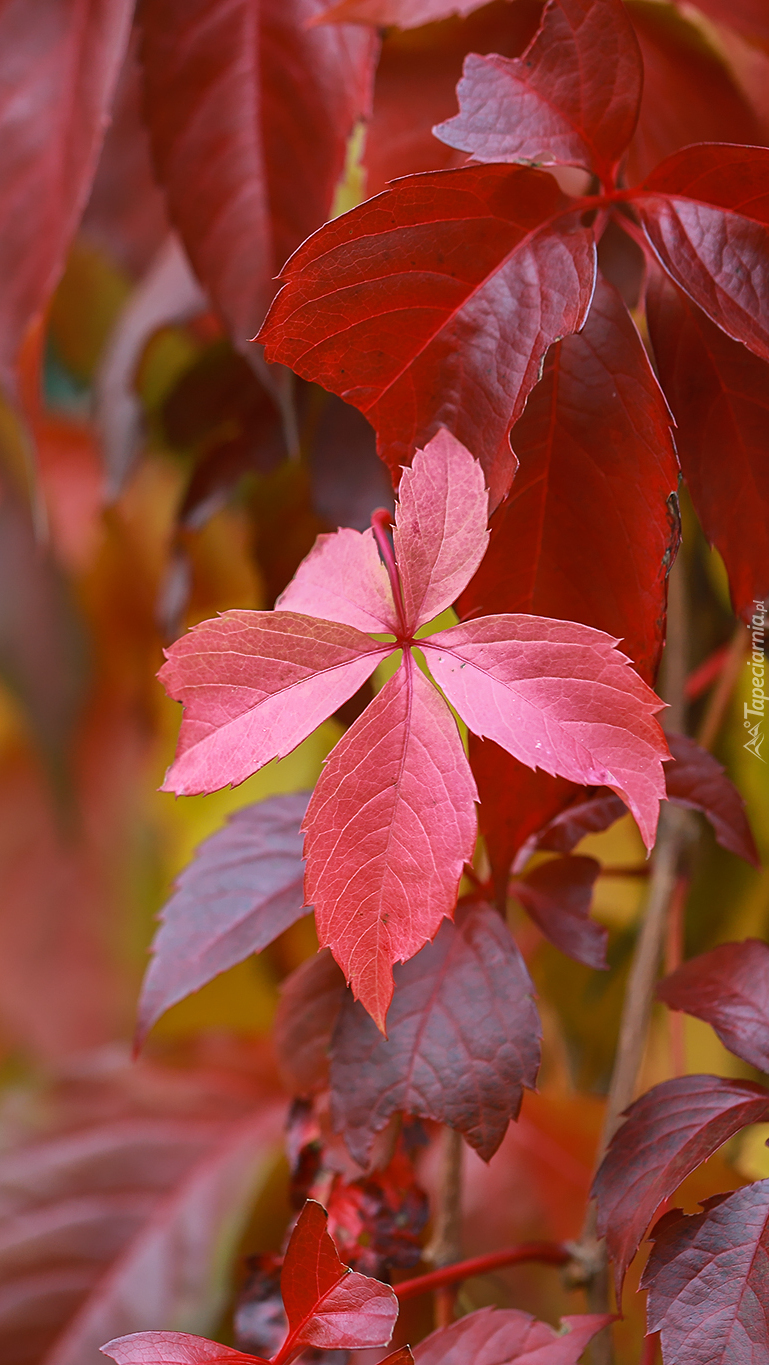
(254, 685)
(173, 1348)
(310, 1001)
(705, 211)
(728, 988)
(389, 827)
(447, 291)
(392, 821)
(416, 82)
(343, 579)
(572, 98)
(498, 1336)
(249, 113)
(243, 888)
(697, 780)
(401, 1357)
(598, 424)
(403, 13)
(668, 1132)
(515, 802)
(707, 1281)
(463, 1040)
(557, 895)
(62, 64)
(504, 675)
(328, 1305)
(689, 93)
(718, 394)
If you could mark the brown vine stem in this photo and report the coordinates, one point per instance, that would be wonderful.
(589, 1266)
(547, 1253)
(445, 1248)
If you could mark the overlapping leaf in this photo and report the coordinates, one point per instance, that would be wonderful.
(557, 896)
(572, 98)
(705, 211)
(434, 304)
(249, 113)
(392, 819)
(728, 988)
(463, 1040)
(245, 886)
(706, 1278)
(667, 1133)
(597, 424)
(500, 1336)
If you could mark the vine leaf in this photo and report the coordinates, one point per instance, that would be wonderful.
(728, 988)
(706, 1280)
(242, 889)
(392, 820)
(500, 1335)
(547, 107)
(667, 1133)
(463, 1040)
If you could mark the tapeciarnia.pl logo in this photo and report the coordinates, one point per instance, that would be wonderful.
(757, 662)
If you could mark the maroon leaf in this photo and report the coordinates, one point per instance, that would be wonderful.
(668, 1132)
(515, 802)
(249, 113)
(707, 1281)
(447, 291)
(598, 424)
(557, 895)
(720, 398)
(571, 99)
(697, 780)
(728, 988)
(498, 1336)
(61, 65)
(328, 1305)
(463, 1040)
(242, 889)
(310, 1001)
(706, 213)
(589, 815)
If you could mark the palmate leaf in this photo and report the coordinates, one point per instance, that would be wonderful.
(392, 818)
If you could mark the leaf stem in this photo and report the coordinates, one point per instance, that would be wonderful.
(381, 523)
(547, 1253)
